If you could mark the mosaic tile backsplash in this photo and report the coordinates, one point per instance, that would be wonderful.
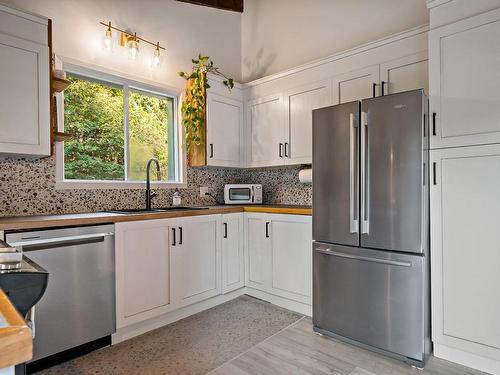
(27, 187)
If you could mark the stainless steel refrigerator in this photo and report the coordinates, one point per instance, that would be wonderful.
(371, 226)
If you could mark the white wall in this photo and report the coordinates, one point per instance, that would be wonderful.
(281, 34)
(184, 29)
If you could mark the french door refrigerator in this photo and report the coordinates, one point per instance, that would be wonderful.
(370, 224)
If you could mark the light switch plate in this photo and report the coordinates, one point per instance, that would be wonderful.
(203, 191)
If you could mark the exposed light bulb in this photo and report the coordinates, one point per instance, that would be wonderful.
(108, 38)
(133, 47)
(156, 56)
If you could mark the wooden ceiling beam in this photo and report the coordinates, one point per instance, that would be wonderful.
(233, 5)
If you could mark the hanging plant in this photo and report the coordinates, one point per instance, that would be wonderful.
(194, 103)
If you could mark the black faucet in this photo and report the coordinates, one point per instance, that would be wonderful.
(151, 194)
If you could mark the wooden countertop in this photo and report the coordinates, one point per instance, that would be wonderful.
(16, 343)
(35, 222)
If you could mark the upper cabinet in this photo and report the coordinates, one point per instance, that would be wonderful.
(464, 82)
(224, 126)
(404, 74)
(279, 108)
(25, 89)
(266, 133)
(298, 115)
(355, 85)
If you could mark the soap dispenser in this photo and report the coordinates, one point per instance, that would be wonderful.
(176, 199)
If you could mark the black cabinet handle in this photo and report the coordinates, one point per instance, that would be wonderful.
(211, 150)
(286, 149)
(374, 88)
(434, 180)
(281, 150)
(267, 229)
(382, 84)
(433, 123)
(173, 237)
(225, 230)
(180, 235)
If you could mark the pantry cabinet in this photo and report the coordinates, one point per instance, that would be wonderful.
(25, 91)
(195, 259)
(279, 255)
(464, 81)
(142, 263)
(233, 260)
(224, 131)
(465, 258)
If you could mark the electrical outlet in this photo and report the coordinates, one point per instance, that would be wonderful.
(203, 191)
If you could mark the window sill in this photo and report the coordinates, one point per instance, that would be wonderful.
(81, 184)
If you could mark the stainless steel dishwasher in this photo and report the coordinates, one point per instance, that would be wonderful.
(79, 304)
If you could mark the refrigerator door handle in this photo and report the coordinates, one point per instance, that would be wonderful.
(365, 227)
(354, 223)
(400, 263)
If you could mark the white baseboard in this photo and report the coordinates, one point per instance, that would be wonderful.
(299, 307)
(137, 329)
(467, 359)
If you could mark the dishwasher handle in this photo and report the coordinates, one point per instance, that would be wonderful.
(37, 244)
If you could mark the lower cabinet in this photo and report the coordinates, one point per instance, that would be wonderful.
(465, 256)
(233, 260)
(166, 264)
(142, 258)
(279, 255)
(195, 259)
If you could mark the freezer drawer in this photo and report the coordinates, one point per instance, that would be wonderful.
(372, 297)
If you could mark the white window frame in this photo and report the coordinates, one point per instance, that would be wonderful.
(127, 82)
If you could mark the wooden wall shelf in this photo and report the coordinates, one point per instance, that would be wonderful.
(59, 84)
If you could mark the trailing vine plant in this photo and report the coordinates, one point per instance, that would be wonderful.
(193, 105)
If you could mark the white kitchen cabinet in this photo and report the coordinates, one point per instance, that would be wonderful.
(464, 81)
(195, 259)
(258, 251)
(279, 255)
(266, 131)
(24, 92)
(404, 74)
(233, 260)
(356, 85)
(224, 131)
(291, 247)
(465, 256)
(299, 104)
(142, 270)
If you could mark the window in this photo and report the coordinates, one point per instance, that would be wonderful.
(117, 126)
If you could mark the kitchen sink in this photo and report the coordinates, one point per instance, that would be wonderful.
(154, 210)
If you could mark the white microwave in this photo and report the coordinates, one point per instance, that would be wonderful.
(243, 194)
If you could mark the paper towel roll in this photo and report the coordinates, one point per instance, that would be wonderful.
(306, 176)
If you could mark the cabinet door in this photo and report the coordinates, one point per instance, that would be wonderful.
(464, 81)
(292, 257)
(299, 104)
(266, 131)
(224, 128)
(195, 259)
(233, 261)
(465, 254)
(142, 270)
(356, 85)
(24, 97)
(258, 251)
(404, 74)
